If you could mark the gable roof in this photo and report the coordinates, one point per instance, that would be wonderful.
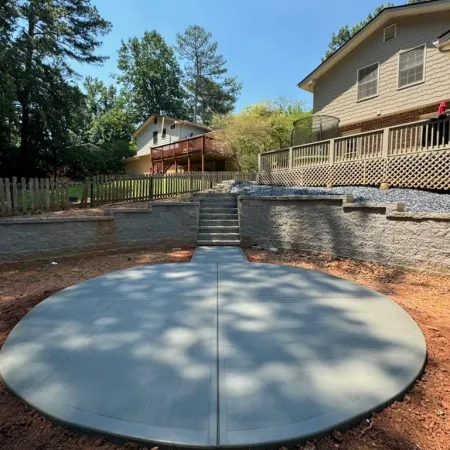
(382, 18)
(149, 120)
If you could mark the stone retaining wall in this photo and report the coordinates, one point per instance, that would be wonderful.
(163, 225)
(333, 225)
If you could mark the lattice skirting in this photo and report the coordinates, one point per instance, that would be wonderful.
(429, 170)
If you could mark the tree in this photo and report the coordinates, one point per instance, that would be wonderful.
(106, 117)
(209, 90)
(44, 37)
(345, 33)
(261, 127)
(151, 77)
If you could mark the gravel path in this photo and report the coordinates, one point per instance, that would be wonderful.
(414, 200)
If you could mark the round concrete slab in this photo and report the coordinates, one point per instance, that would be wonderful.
(213, 354)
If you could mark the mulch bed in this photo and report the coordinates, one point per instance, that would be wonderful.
(420, 422)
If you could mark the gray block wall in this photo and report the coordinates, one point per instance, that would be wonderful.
(371, 232)
(164, 225)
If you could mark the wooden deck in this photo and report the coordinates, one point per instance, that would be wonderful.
(186, 151)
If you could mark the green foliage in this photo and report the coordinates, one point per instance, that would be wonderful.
(86, 160)
(258, 128)
(209, 90)
(107, 120)
(151, 77)
(51, 126)
(40, 101)
(345, 33)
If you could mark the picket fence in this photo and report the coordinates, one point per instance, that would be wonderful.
(38, 195)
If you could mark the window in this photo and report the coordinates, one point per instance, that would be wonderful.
(368, 81)
(411, 66)
(390, 33)
(164, 133)
(155, 120)
(172, 127)
(155, 137)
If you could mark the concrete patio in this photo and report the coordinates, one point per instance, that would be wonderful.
(216, 352)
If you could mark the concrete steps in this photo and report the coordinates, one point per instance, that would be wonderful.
(219, 221)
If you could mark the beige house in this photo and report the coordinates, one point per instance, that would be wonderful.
(395, 70)
(155, 132)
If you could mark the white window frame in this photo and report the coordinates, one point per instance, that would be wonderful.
(384, 33)
(401, 52)
(357, 82)
(172, 127)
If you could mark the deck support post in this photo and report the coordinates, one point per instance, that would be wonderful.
(203, 153)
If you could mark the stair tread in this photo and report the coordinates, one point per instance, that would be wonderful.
(215, 227)
(219, 214)
(237, 243)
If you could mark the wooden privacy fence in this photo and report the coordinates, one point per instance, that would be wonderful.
(21, 196)
(37, 195)
(411, 155)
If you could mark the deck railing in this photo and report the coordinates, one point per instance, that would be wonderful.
(377, 151)
(203, 143)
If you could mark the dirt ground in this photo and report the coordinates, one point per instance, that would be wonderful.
(421, 421)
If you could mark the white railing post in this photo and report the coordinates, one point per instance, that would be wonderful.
(290, 161)
(259, 162)
(331, 152)
(385, 149)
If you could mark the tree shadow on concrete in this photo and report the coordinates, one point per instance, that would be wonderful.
(135, 352)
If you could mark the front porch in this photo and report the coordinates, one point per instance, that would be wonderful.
(415, 154)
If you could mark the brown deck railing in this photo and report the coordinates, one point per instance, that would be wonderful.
(415, 154)
(183, 147)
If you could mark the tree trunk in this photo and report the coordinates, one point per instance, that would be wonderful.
(197, 77)
(25, 99)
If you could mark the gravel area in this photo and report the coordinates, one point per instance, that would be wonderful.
(414, 200)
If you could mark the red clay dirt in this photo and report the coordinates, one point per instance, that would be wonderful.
(420, 422)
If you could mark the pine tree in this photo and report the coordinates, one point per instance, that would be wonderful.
(209, 90)
(345, 33)
(49, 35)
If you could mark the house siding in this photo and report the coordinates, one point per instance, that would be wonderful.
(335, 93)
(141, 165)
(144, 140)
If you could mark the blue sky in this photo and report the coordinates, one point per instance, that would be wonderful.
(270, 45)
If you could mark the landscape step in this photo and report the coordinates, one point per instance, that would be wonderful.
(218, 229)
(219, 216)
(218, 199)
(218, 236)
(219, 208)
(219, 223)
(234, 243)
(218, 205)
(219, 220)
(216, 196)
